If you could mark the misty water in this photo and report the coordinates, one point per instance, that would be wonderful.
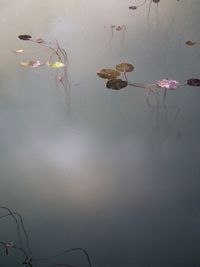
(98, 168)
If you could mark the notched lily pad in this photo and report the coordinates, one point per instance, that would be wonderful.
(24, 37)
(124, 67)
(108, 74)
(116, 84)
(193, 82)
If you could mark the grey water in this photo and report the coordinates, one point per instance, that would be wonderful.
(102, 170)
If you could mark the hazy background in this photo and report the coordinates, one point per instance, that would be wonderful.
(108, 176)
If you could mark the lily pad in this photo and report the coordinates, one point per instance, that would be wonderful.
(193, 82)
(55, 65)
(168, 84)
(24, 37)
(32, 63)
(39, 40)
(124, 67)
(18, 51)
(116, 84)
(190, 43)
(133, 7)
(156, 1)
(108, 74)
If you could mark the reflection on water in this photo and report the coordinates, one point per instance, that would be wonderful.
(119, 175)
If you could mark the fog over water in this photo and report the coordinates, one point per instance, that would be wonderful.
(99, 168)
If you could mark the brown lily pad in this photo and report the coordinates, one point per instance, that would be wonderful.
(24, 37)
(108, 73)
(116, 84)
(193, 82)
(124, 67)
(190, 43)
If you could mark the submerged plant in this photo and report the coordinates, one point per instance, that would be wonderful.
(22, 245)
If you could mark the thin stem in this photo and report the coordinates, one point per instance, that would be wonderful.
(65, 252)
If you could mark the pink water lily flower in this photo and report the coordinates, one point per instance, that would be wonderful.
(168, 84)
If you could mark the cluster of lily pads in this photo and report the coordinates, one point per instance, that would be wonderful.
(112, 74)
(22, 245)
(117, 82)
(56, 57)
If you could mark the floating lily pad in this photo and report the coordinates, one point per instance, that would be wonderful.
(133, 7)
(24, 37)
(193, 82)
(168, 84)
(39, 40)
(32, 63)
(18, 51)
(124, 67)
(55, 65)
(190, 43)
(108, 73)
(156, 1)
(116, 84)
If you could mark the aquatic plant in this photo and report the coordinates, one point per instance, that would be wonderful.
(167, 84)
(135, 7)
(117, 28)
(56, 58)
(191, 43)
(22, 245)
(193, 82)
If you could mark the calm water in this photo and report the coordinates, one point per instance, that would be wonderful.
(102, 170)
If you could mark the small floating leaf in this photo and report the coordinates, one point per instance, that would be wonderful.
(190, 43)
(193, 82)
(124, 67)
(24, 37)
(167, 84)
(32, 63)
(39, 40)
(56, 65)
(132, 7)
(116, 84)
(19, 51)
(119, 28)
(108, 73)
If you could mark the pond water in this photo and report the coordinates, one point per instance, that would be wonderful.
(97, 168)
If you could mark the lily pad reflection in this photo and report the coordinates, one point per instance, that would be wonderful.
(116, 84)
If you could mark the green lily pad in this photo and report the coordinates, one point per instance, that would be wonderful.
(55, 65)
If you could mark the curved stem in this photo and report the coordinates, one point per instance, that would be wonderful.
(65, 252)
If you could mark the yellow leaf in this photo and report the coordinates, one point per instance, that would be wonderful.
(57, 64)
(19, 51)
